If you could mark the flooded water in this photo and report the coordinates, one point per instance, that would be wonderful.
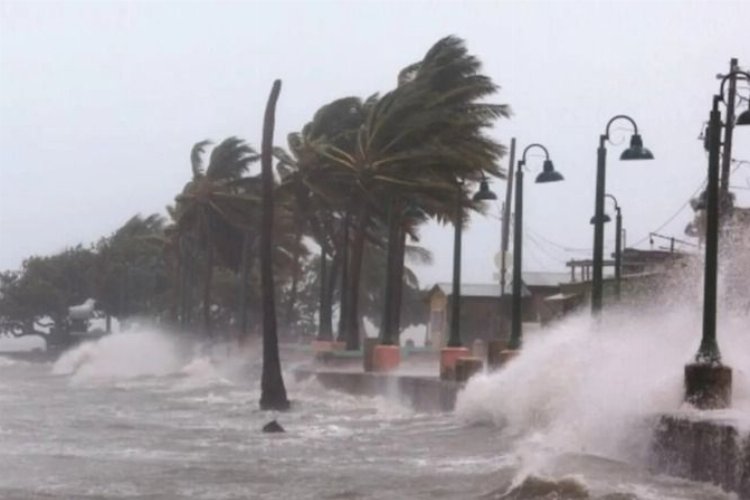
(138, 415)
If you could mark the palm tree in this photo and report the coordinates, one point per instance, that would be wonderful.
(214, 203)
(416, 143)
(273, 393)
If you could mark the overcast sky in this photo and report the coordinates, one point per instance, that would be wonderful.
(101, 102)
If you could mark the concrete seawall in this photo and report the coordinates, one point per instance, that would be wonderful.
(704, 448)
(423, 393)
(700, 446)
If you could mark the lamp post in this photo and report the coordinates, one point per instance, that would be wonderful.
(708, 383)
(484, 194)
(454, 348)
(636, 151)
(618, 247)
(618, 241)
(548, 174)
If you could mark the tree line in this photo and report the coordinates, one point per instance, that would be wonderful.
(346, 191)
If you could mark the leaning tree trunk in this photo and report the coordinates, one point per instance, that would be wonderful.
(273, 393)
(355, 271)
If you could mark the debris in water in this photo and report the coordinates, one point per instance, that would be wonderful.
(273, 426)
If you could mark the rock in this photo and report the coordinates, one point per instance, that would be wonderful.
(273, 426)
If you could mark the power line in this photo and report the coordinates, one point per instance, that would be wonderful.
(673, 217)
(558, 245)
(533, 240)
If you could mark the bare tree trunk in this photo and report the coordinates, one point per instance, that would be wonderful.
(358, 247)
(207, 286)
(398, 285)
(297, 269)
(242, 306)
(345, 285)
(273, 393)
(387, 334)
(325, 329)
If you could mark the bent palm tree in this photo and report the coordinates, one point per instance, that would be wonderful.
(273, 393)
(214, 202)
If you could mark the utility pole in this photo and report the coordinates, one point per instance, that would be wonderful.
(505, 228)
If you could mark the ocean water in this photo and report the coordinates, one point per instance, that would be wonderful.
(144, 415)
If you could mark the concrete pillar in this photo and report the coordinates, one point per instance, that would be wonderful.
(466, 367)
(448, 357)
(368, 352)
(386, 358)
(494, 348)
(707, 386)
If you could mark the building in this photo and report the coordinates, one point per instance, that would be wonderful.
(485, 314)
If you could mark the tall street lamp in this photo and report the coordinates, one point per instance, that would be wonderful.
(636, 151)
(548, 174)
(618, 242)
(454, 348)
(708, 383)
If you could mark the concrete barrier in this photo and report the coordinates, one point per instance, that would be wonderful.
(423, 393)
(703, 448)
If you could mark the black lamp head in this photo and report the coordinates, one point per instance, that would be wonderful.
(636, 151)
(549, 174)
(605, 219)
(743, 118)
(484, 193)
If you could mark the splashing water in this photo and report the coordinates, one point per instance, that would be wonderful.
(121, 356)
(592, 387)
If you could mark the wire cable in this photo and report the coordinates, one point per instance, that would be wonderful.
(673, 217)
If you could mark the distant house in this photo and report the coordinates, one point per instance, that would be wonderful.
(485, 314)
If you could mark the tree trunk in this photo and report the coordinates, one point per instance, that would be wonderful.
(398, 285)
(273, 393)
(325, 330)
(186, 284)
(207, 286)
(242, 306)
(387, 334)
(326, 299)
(296, 270)
(345, 286)
(355, 271)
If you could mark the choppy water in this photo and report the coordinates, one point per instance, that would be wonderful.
(140, 416)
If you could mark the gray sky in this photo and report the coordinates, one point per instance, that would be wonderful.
(100, 103)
